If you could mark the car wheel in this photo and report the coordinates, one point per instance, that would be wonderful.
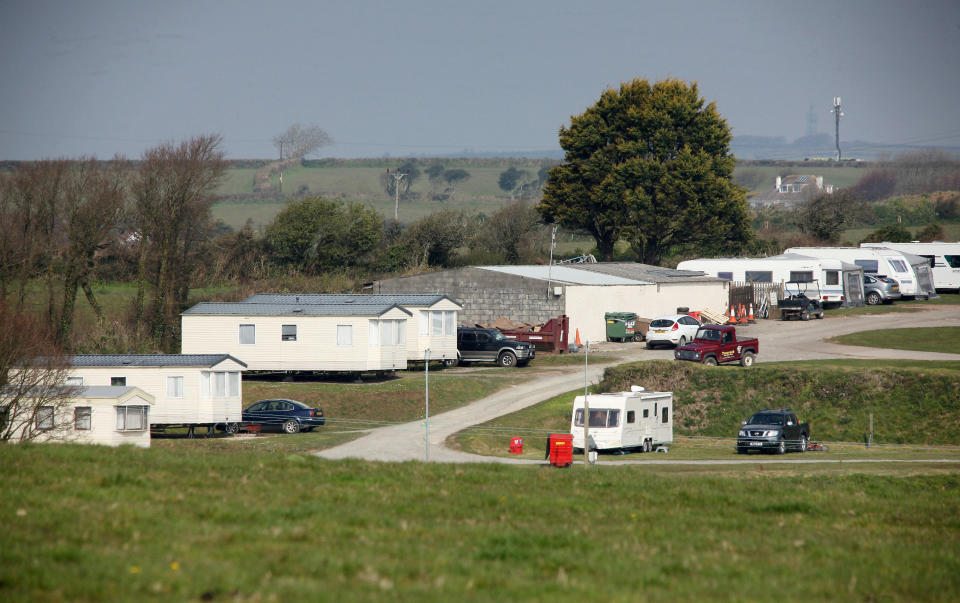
(649, 346)
(683, 341)
(507, 359)
(710, 361)
(747, 359)
(803, 443)
(742, 450)
(291, 426)
(820, 315)
(804, 315)
(873, 298)
(782, 447)
(232, 428)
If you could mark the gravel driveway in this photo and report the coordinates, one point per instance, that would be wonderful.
(779, 341)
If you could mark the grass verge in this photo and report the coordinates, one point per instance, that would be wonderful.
(921, 339)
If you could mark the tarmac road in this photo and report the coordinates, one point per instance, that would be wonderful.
(779, 341)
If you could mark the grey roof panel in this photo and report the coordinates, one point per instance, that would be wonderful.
(281, 309)
(564, 275)
(119, 360)
(104, 391)
(645, 272)
(401, 299)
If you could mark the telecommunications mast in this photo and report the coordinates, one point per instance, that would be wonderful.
(837, 114)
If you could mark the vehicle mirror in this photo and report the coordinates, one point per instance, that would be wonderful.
(789, 422)
(744, 422)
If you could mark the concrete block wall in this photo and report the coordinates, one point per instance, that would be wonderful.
(486, 295)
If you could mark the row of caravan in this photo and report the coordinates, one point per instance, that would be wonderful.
(839, 270)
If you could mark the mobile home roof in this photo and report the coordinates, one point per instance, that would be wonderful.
(200, 360)
(401, 299)
(281, 309)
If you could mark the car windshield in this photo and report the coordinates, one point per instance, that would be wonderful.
(766, 418)
(708, 334)
(662, 322)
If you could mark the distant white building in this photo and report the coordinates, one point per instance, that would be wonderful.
(792, 190)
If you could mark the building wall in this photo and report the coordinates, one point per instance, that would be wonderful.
(193, 407)
(485, 295)
(315, 348)
(586, 305)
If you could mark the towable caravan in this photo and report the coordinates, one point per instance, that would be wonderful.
(889, 262)
(943, 259)
(633, 420)
(840, 283)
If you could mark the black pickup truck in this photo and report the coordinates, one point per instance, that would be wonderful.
(773, 430)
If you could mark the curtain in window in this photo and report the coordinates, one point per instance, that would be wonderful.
(248, 334)
(373, 334)
(205, 384)
(344, 334)
(174, 387)
(234, 384)
(219, 384)
(423, 325)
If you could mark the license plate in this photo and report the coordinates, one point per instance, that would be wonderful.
(756, 443)
(659, 332)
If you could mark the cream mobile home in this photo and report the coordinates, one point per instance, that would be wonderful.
(943, 259)
(633, 420)
(188, 389)
(349, 338)
(840, 283)
(432, 324)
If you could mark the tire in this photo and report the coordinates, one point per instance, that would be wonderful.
(746, 360)
(873, 299)
(804, 315)
(646, 446)
(649, 346)
(291, 426)
(820, 315)
(507, 359)
(450, 362)
(683, 341)
(710, 361)
(232, 428)
(803, 443)
(782, 447)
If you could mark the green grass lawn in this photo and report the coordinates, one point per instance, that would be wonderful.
(927, 339)
(94, 523)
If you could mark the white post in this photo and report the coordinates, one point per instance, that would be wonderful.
(426, 422)
(586, 408)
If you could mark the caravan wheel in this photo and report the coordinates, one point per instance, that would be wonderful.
(646, 445)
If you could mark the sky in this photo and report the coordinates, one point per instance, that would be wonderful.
(423, 77)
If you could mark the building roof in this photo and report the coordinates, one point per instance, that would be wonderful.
(646, 273)
(565, 275)
(282, 309)
(400, 299)
(201, 360)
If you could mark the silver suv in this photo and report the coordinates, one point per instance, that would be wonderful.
(878, 289)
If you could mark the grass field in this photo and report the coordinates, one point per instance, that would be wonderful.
(930, 339)
(92, 523)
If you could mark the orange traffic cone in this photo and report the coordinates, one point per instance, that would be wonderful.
(743, 315)
(750, 316)
(578, 338)
(733, 316)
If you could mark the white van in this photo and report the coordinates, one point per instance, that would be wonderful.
(840, 283)
(633, 420)
(943, 258)
(874, 261)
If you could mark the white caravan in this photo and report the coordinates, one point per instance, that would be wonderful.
(943, 258)
(839, 281)
(636, 419)
(889, 262)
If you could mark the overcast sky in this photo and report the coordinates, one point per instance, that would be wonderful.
(439, 77)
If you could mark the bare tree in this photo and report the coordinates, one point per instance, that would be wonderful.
(298, 141)
(33, 376)
(173, 192)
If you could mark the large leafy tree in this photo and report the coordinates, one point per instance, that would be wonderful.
(649, 163)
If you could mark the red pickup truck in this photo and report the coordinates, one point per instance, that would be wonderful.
(718, 344)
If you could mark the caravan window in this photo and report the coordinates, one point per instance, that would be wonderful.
(868, 265)
(759, 276)
(802, 276)
(899, 265)
(726, 275)
(833, 277)
(952, 260)
(599, 417)
(646, 413)
(631, 416)
(666, 415)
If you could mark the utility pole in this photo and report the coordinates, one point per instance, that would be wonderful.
(586, 409)
(397, 177)
(553, 243)
(837, 114)
(426, 420)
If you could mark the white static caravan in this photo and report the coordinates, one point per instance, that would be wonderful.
(841, 283)
(348, 338)
(943, 259)
(637, 420)
(889, 262)
(432, 324)
(111, 416)
(188, 389)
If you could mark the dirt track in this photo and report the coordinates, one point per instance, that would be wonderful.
(779, 341)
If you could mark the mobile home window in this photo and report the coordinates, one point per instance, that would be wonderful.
(174, 387)
(401, 332)
(205, 384)
(726, 275)
(833, 277)
(631, 416)
(666, 414)
(373, 334)
(423, 325)
(44, 417)
(248, 334)
(75, 381)
(899, 265)
(121, 381)
(219, 384)
(436, 324)
(131, 418)
(868, 265)
(801, 276)
(233, 381)
(288, 333)
(759, 276)
(345, 335)
(449, 323)
(81, 418)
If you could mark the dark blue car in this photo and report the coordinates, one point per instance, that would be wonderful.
(288, 415)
